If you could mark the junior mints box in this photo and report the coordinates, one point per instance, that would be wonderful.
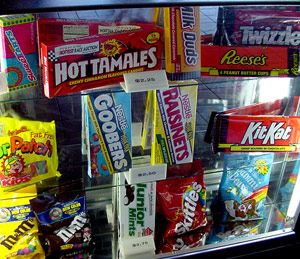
(136, 208)
(108, 118)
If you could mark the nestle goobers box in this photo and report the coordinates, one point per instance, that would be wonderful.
(265, 127)
(79, 64)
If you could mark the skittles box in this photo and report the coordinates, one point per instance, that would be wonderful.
(174, 118)
(18, 55)
(108, 119)
(74, 65)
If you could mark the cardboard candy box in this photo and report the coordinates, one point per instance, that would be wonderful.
(79, 64)
(265, 127)
(249, 61)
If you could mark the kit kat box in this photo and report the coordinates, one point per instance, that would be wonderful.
(249, 61)
(265, 127)
(79, 64)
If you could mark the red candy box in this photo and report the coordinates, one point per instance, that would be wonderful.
(79, 64)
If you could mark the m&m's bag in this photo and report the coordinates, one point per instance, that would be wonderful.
(19, 227)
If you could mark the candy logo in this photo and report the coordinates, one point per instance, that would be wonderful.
(190, 38)
(67, 233)
(232, 58)
(175, 120)
(257, 131)
(20, 231)
(15, 180)
(270, 37)
(110, 48)
(137, 215)
(190, 202)
(153, 37)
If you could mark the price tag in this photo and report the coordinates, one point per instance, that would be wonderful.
(146, 174)
(144, 81)
(140, 247)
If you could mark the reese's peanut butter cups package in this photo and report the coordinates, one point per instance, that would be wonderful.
(64, 223)
(28, 153)
(244, 185)
(18, 226)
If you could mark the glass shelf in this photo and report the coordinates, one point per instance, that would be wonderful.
(214, 94)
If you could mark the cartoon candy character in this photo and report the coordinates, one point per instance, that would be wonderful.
(243, 211)
(13, 165)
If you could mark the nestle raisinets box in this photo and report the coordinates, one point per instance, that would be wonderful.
(108, 120)
(79, 64)
(18, 54)
(264, 127)
(174, 118)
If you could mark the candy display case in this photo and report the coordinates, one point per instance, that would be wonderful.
(89, 170)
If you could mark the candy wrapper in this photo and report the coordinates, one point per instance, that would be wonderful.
(64, 223)
(186, 241)
(108, 117)
(262, 127)
(244, 185)
(28, 153)
(182, 202)
(174, 119)
(233, 230)
(243, 26)
(19, 227)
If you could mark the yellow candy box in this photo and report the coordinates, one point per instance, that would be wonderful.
(28, 153)
(174, 119)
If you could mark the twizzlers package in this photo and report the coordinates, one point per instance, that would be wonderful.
(79, 64)
(243, 26)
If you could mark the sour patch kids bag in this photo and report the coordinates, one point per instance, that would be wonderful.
(28, 153)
